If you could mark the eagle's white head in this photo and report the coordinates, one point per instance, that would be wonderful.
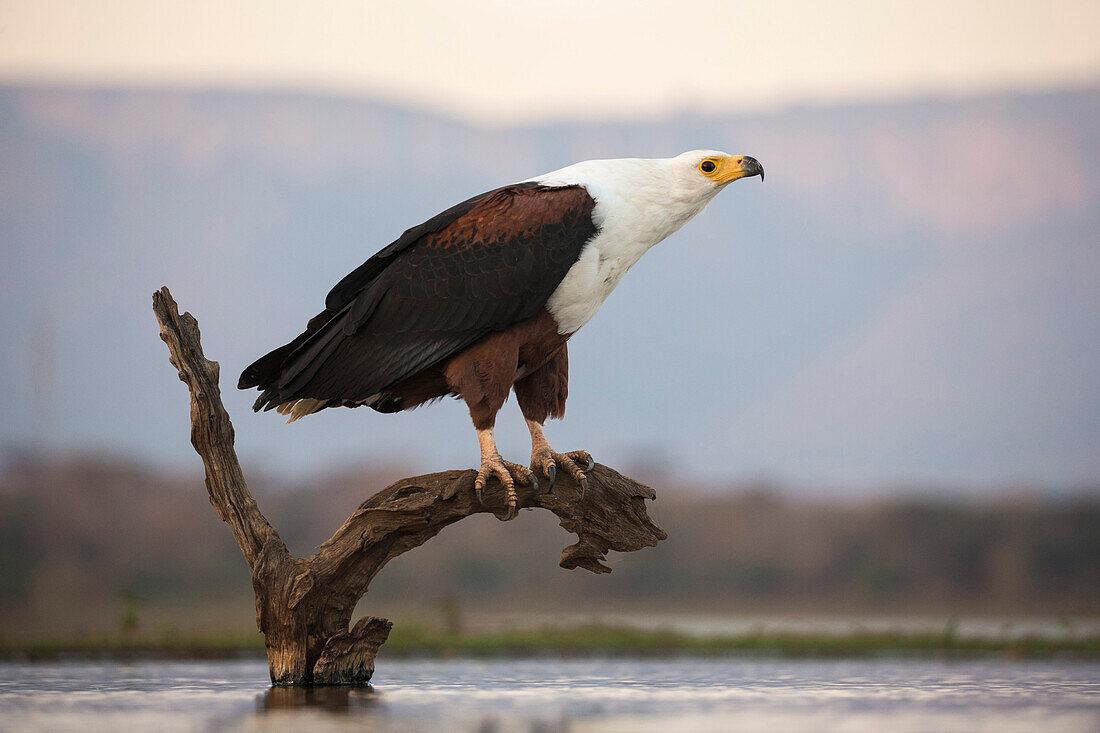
(703, 173)
(683, 185)
(638, 202)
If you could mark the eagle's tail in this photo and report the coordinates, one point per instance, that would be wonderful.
(269, 371)
(295, 409)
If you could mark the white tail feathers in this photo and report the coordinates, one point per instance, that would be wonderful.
(300, 408)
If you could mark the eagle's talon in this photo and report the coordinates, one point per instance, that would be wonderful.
(508, 474)
(581, 457)
(549, 469)
(551, 461)
(523, 474)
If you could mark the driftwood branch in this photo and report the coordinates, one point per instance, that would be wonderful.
(304, 605)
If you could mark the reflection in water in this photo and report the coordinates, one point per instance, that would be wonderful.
(329, 699)
(311, 708)
(670, 695)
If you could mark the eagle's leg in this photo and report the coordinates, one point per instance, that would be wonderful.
(545, 459)
(493, 465)
(542, 394)
(482, 376)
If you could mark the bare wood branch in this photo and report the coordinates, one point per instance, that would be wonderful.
(410, 512)
(304, 606)
(211, 430)
(348, 657)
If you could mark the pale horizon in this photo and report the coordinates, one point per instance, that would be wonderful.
(494, 62)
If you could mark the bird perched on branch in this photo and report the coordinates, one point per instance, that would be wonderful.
(481, 300)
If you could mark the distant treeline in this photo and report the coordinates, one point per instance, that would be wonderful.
(91, 545)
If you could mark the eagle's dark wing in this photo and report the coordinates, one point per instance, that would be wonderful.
(483, 265)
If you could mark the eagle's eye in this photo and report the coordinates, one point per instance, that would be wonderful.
(707, 166)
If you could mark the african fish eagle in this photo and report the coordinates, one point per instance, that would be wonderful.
(482, 299)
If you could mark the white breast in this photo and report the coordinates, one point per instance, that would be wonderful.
(636, 208)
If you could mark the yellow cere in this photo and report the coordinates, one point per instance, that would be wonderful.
(722, 168)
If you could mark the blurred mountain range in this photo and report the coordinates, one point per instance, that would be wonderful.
(911, 297)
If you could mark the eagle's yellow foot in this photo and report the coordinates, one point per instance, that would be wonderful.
(547, 460)
(508, 473)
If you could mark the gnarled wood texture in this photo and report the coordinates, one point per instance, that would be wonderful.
(304, 605)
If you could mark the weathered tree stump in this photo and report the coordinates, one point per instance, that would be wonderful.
(304, 605)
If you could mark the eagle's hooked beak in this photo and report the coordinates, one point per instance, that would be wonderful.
(740, 166)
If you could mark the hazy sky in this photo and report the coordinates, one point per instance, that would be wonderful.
(503, 60)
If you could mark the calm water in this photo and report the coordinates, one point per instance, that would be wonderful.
(556, 695)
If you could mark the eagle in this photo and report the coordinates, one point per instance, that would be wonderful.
(480, 301)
